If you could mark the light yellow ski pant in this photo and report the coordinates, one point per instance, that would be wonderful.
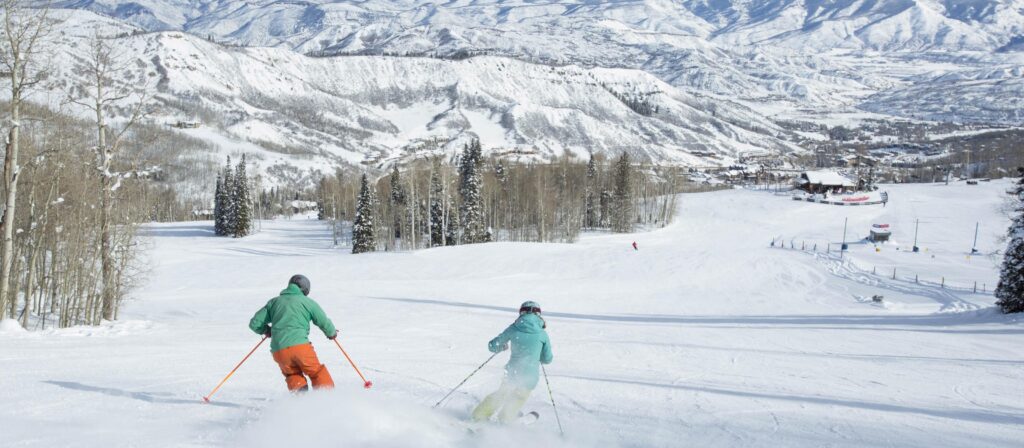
(507, 402)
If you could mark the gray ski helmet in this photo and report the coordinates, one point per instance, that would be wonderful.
(529, 306)
(302, 282)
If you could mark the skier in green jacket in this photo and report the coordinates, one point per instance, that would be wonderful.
(530, 348)
(285, 319)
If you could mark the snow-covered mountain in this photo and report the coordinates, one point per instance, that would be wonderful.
(994, 94)
(914, 25)
(709, 76)
(785, 55)
(283, 106)
(409, 25)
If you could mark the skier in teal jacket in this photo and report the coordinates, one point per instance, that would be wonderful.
(530, 348)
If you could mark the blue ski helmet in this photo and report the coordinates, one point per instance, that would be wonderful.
(529, 306)
(302, 282)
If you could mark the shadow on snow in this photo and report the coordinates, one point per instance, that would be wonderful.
(861, 356)
(954, 414)
(141, 396)
(942, 323)
(190, 231)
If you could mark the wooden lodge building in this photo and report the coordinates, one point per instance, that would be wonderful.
(818, 182)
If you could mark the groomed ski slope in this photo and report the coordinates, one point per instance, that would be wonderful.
(706, 336)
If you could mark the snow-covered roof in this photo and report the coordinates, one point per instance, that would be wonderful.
(828, 178)
(303, 204)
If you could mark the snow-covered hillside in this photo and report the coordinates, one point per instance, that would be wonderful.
(705, 336)
(876, 25)
(991, 94)
(309, 111)
(782, 55)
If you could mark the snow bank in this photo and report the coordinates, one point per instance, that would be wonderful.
(10, 326)
(129, 327)
(371, 419)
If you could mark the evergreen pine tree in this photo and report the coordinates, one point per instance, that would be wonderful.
(321, 199)
(363, 239)
(471, 194)
(437, 207)
(503, 201)
(242, 200)
(869, 181)
(397, 189)
(590, 208)
(453, 232)
(500, 175)
(1010, 290)
(228, 210)
(606, 209)
(622, 204)
(397, 202)
(218, 208)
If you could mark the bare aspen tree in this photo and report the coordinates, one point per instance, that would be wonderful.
(111, 85)
(21, 47)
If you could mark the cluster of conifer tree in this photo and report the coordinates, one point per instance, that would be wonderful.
(232, 209)
(1010, 290)
(430, 203)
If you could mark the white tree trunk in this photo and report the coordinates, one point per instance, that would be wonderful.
(11, 181)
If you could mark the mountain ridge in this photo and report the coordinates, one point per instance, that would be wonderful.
(689, 83)
(289, 108)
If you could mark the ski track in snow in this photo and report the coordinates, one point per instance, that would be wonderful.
(703, 337)
(950, 301)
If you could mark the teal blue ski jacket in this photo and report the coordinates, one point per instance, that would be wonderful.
(530, 348)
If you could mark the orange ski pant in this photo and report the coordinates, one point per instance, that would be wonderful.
(299, 361)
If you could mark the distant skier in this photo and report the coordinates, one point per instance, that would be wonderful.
(530, 348)
(635, 247)
(285, 319)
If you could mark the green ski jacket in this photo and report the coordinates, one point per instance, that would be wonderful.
(287, 317)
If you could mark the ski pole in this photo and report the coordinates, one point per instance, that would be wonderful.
(464, 381)
(366, 383)
(207, 398)
(552, 396)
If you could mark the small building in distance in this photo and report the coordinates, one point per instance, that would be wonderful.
(301, 207)
(817, 182)
(186, 124)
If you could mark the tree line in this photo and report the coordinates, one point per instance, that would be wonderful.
(473, 199)
(73, 189)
